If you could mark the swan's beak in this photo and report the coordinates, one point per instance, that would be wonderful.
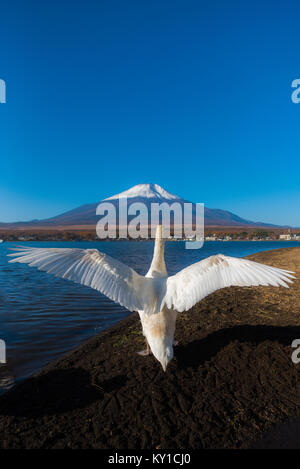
(165, 361)
(162, 353)
(164, 366)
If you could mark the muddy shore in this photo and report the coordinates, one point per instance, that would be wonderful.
(232, 383)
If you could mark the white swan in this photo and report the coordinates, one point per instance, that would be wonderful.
(157, 297)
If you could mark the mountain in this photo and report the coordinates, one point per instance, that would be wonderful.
(145, 193)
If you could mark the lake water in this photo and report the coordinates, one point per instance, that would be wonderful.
(42, 317)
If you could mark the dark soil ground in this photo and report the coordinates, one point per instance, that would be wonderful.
(232, 380)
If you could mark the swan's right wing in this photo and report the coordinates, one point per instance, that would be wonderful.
(94, 269)
(191, 285)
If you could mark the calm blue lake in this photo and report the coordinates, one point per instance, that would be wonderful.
(41, 316)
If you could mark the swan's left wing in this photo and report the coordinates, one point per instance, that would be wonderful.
(191, 285)
(97, 270)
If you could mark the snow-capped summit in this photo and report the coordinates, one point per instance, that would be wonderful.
(149, 191)
(85, 215)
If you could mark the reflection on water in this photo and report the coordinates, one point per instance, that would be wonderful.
(41, 316)
(7, 380)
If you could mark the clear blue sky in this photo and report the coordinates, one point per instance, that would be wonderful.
(192, 95)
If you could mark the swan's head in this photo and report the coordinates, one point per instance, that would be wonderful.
(167, 357)
(163, 354)
(159, 331)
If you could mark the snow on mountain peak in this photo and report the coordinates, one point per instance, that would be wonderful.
(149, 191)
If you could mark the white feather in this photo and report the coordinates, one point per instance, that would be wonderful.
(93, 269)
(192, 284)
(156, 296)
(124, 285)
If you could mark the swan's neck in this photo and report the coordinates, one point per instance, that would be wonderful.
(158, 265)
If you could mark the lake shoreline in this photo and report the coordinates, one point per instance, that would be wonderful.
(231, 379)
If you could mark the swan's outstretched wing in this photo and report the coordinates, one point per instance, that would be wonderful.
(194, 283)
(96, 270)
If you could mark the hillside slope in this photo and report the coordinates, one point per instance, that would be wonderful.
(142, 193)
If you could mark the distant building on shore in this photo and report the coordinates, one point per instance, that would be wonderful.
(285, 237)
(290, 237)
(210, 238)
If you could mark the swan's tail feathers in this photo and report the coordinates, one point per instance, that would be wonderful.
(159, 232)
